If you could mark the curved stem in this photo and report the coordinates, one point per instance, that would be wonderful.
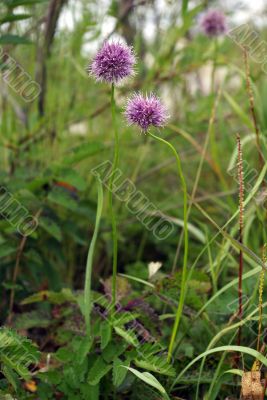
(89, 264)
(111, 209)
(184, 271)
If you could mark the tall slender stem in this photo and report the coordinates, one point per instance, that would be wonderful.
(241, 225)
(89, 264)
(184, 271)
(111, 208)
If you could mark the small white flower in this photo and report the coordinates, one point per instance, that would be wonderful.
(153, 268)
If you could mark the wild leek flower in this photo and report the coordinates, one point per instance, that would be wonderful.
(145, 111)
(213, 23)
(113, 62)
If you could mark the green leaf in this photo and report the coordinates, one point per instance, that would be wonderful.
(98, 370)
(90, 391)
(119, 371)
(64, 354)
(14, 39)
(84, 348)
(14, 17)
(150, 380)
(17, 352)
(112, 351)
(241, 349)
(120, 319)
(156, 364)
(105, 333)
(128, 336)
(10, 376)
(16, 3)
(51, 227)
(64, 296)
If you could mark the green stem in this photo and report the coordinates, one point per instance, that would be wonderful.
(111, 209)
(184, 271)
(89, 264)
(214, 65)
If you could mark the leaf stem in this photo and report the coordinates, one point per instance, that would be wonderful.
(184, 270)
(89, 264)
(111, 208)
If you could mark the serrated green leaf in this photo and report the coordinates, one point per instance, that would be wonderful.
(128, 336)
(118, 372)
(84, 348)
(156, 364)
(112, 351)
(98, 370)
(89, 391)
(17, 352)
(120, 319)
(10, 376)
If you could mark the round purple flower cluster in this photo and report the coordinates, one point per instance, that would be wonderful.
(145, 111)
(213, 23)
(113, 62)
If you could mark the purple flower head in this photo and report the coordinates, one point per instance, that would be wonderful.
(213, 23)
(145, 111)
(113, 62)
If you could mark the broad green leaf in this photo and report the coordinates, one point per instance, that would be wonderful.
(119, 372)
(84, 348)
(90, 391)
(113, 350)
(98, 370)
